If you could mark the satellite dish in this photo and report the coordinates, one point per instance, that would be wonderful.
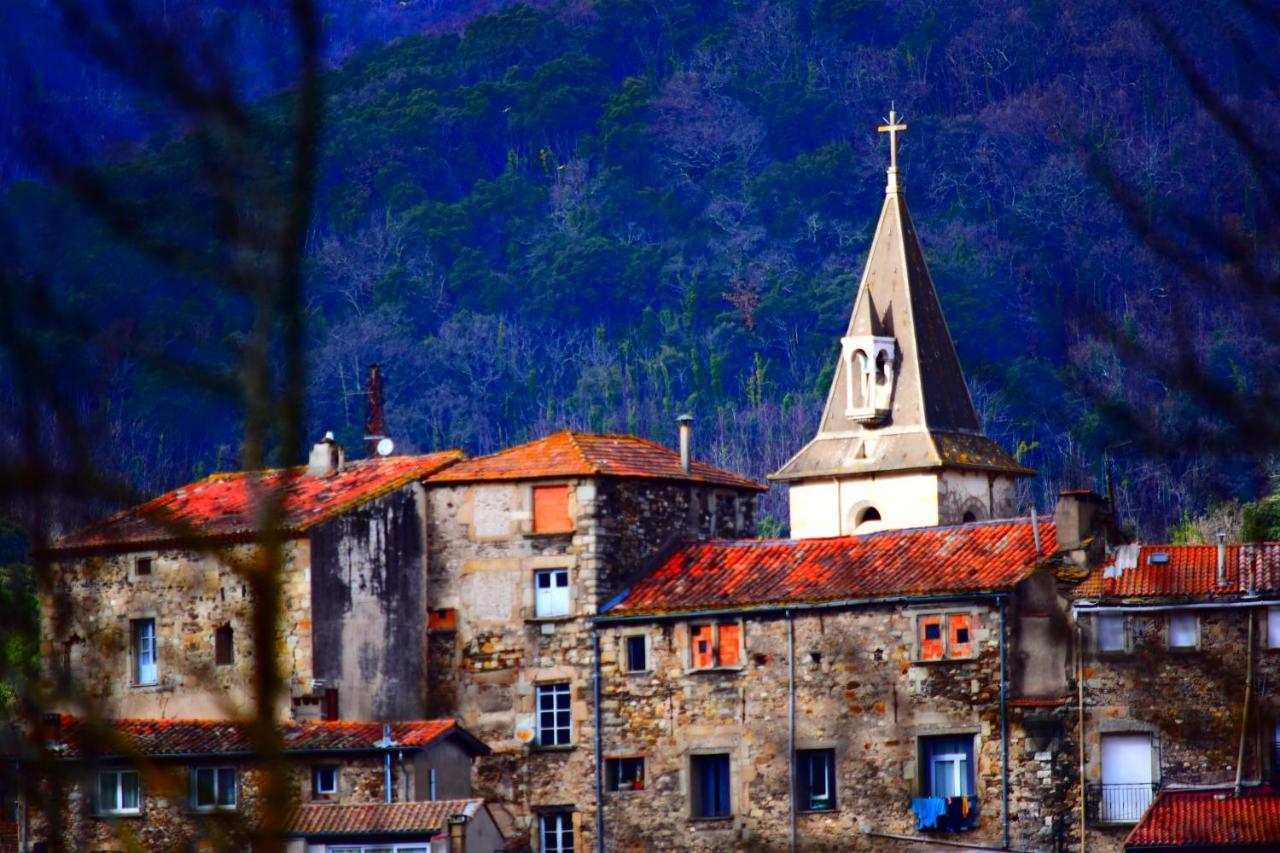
(385, 446)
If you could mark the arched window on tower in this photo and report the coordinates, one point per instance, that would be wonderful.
(862, 380)
(870, 515)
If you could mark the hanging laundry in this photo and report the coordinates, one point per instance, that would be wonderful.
(927, 811)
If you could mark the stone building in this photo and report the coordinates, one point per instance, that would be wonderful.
(148, 613)
(1178, 649)
(174, 784)
(526, 546)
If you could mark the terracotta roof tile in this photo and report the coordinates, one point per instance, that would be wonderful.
(754, 573)
(216, 737)
(1185, 571)
(225, 505)
(1210, 819)
(423, 818)
(580, 454)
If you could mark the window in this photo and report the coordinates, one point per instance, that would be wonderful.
(816, 779)
(1128, 784)
(551, 593)
(144, 650)
(119, 792)
(556, 832)
(324, 780)
(551, 509)
(1113, 632)
(947, 764)
(715, 644)
(1273, 627)
(709, 788)
(625, 773)
(213, 788)
(1184, 631)
(946, 635)
(142, 566)
(223, 646)
(555, 727)
(637, 653)
(867, 516)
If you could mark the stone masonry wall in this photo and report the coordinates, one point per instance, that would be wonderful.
(92, 600)
(488, 652)
(859, 691)
(1189, 701)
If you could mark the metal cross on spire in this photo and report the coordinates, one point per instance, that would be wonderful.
(893, 128)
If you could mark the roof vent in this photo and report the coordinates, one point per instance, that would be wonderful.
(1159, 558)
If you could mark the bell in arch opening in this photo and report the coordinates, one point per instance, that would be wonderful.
(869, 377)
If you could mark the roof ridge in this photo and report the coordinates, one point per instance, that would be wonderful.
(582, 453)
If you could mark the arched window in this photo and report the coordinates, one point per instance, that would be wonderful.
(862, 379)
(868, 515)
(882, 375)
(969, 517)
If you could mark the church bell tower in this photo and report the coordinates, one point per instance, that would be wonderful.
(899, 444)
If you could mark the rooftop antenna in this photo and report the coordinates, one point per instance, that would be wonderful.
(375, 425)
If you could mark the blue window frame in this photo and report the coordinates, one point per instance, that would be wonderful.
(947, 763)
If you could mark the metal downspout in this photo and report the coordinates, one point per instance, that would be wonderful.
(1004, 734)
(1081, 732)
(386, 745)
(595, 649)
(1244, 712)
(791, 722)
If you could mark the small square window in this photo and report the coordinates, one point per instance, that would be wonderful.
(816, 779)
(142, 566)
(624, 774)
(946, 636)
(551, 593)
(213, 788)
(1113, 632)
(714, 645)
(555, 715)
(119, 792)
(324, 780)
(551, 510)
(1184, 631)
(709, 788)
(637, 653)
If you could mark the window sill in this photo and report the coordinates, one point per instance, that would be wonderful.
(117, 815)
(213, 810)
(637, 672)
(694, 670)
(712, 821)
(834, 810)
(934, 661)
(547, 534)
(559, 747)
(150, 685)
(551, 620)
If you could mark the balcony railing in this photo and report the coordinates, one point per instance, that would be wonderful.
(1118, 803)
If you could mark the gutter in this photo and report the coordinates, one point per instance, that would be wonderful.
(783, 609)
(1129, 608)
(595, 650)
(791, 722)
(1004, 729)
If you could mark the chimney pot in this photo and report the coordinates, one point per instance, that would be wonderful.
(686, 431)
(326, 457)
(1222, 558)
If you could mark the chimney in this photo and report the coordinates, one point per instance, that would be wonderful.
(686, 433)
(375, 424)
(457, 833)
(1222, 558)
(327, 457)
(1080, 520)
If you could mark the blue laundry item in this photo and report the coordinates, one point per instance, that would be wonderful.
(927, 811)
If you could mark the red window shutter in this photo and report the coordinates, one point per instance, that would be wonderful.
(701, 644)
(931, 638)
(728, 644)
(551, 509)
(961, 625)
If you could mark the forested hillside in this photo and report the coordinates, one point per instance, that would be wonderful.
(603, 214)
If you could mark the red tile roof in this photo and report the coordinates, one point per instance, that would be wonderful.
(226, 505)
(757, 573)
(1210, 819)
(158, 738)
(581, 454)
(422, 818)
(1187, 571)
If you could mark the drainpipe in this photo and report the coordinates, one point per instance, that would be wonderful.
(595, 649)
(385, 744)
(1035, 530)
(791, 722)
(1244, 712)
(1080, 725)
(1004, 724)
